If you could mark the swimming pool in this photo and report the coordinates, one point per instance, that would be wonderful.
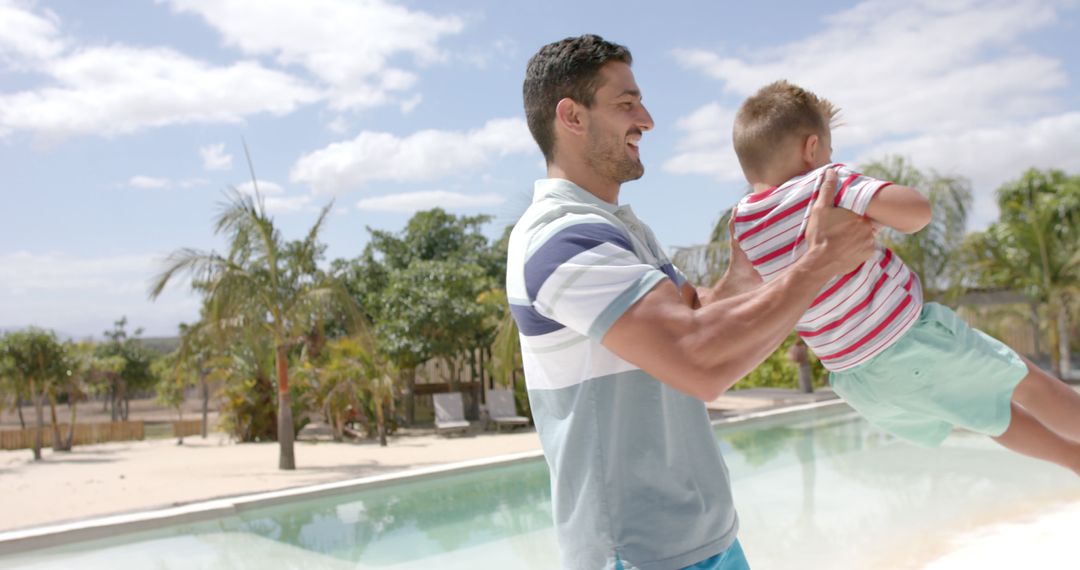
(817, 489)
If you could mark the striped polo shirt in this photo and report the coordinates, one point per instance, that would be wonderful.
(856, 315)
(636, 472)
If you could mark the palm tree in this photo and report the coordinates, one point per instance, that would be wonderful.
(931, 252)
(1033, 248)
(279, 282)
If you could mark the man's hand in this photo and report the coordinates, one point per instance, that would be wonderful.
(838, 240)
(740, 275)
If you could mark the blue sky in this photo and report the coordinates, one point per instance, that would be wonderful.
(121, 122)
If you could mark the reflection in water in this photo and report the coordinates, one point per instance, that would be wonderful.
(818, 490)
(409, 521)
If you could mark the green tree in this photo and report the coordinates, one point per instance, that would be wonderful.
(1033, 248)
(933, 252)
(135, 375)
(276, 285)
(85, 367)
(421, 289)
(35, 359)
(174, 377)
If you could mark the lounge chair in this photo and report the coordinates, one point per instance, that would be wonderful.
(449, 413)
(502, 410)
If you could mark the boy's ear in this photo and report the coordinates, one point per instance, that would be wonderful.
(810, 149)
(569, 115)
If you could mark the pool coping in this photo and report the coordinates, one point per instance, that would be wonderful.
(61, 534)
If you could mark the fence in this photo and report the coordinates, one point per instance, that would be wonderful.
(187, 427)
(84, 434)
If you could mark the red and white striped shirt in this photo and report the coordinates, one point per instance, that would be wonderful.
(856, 315)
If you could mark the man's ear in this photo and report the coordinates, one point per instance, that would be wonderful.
(570, 116)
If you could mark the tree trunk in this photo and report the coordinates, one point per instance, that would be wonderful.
(205, 404)
(113, 390)
(286, 457)
(1035, 333)
(806, 380)
(409, 376)
(1064, 359)
(69, 442)
(380, 421)
(39, 412)
(18, 407)
(57, 444)
(180, 424)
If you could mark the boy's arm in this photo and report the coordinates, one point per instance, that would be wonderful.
(902, 208)
(704, 351)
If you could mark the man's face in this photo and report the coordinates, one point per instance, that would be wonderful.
(617, 119)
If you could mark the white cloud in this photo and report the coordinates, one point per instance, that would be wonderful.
(340, 125)
(153, 182)
(274, 197)
(948, 83)
(27, 37)
(84, 295)
(118, 90)
(409, 202)
(140, 181)
(991, 156)
(421, 156)
(409, 104)
(899, 67)
(348, 44)
(215, 158)
(266, 187)
(706, 146)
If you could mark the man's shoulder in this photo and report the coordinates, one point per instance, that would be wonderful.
(541, 224)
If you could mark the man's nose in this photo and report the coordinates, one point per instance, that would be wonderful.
(645, 122)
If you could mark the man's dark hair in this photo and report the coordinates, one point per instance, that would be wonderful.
(566, 68)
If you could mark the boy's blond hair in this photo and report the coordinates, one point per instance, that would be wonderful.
(776, 112)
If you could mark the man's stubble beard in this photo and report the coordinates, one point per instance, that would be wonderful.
(609, 158)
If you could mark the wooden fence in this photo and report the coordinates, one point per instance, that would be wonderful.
(85, 434)
(187, 427)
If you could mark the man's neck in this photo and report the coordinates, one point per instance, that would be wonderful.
(588, 180)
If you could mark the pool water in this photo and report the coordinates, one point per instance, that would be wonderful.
(819, 489)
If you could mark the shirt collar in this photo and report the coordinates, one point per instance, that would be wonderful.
(565, 190)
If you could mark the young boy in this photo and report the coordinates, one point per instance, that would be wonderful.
(913, 369)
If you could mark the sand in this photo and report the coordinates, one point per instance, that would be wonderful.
(113, 478)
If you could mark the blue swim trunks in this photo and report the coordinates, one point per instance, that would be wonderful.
(730, 559)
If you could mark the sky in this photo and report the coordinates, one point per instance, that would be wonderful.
(123, 122)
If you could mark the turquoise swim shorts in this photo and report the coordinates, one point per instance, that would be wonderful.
(941, 373)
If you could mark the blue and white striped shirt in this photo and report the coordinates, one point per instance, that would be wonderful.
(636, 473)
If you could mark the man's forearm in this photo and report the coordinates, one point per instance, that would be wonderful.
(744, 322)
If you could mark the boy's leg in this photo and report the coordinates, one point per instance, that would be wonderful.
(1050, 400)
(1030, 437)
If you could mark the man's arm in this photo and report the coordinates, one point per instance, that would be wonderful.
(704, 351)
(902, 208)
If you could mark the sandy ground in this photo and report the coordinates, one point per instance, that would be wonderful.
(114, 478)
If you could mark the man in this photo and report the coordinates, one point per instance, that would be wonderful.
(619, 350)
